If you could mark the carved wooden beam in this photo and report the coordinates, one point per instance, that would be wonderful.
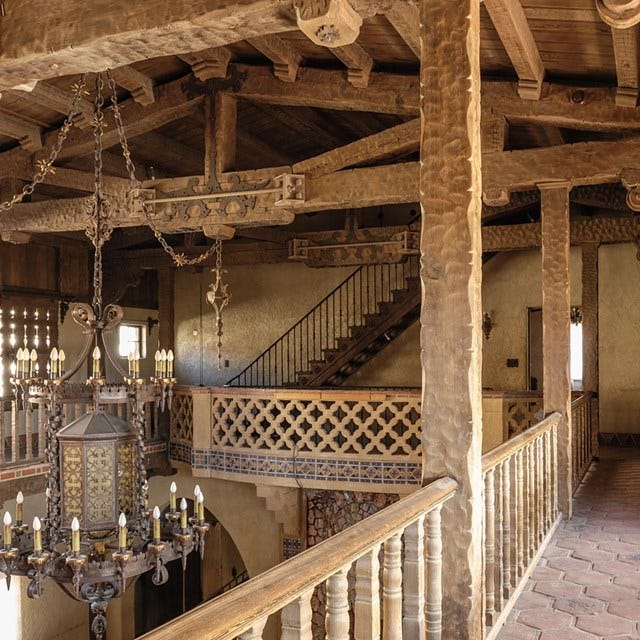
(210, 63)
(328, 23)
(402, 138)
(513, 29)
(28, 134)
(285, 58)
(405, 19)
(626, 47)
(358, 62)
(598, 230)
(137, 84)
(52, 97)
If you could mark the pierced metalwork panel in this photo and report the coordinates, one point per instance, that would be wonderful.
(126, 477)
(100, 470)
(72, 483)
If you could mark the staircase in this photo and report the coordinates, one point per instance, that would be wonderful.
(343, 331)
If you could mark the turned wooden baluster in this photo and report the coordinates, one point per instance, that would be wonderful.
(367, 604)
(506, 529)
(540, 483)
(254, 632)
(499, 542)
(337, 609)
(392, 588)
(296, 618)
(513, 508)
(434, 574)
(490, 546)
(520, 514)
(413, 622)
(531, 503)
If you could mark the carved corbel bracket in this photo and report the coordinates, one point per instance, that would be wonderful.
(328, 23)
(630, 179)
(620, 14)
(496, 197)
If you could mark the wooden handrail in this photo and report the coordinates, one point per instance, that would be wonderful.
(505, 450)
(581, 400)
(236, 611)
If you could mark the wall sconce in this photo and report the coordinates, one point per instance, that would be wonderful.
(487, 325)
(576, 315)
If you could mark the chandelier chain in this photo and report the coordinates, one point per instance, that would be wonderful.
(179, 258)
(45, 166)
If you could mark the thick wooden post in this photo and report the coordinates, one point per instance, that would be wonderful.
(450, 197)
(556, 319)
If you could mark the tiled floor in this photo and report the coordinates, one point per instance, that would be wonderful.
(587, 585)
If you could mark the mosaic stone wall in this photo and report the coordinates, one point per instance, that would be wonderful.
(328, 513)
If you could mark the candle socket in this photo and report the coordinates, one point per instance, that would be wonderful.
(172, 516)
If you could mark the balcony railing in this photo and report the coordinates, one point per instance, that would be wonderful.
(520, 511)
(584, 412)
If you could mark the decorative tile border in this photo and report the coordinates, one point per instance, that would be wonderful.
(383, 472)
(23, 471)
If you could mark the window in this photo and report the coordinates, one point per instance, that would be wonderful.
(130, 336)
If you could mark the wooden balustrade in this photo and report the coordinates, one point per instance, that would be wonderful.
(520, 511)
(585, 436)
(288, 587)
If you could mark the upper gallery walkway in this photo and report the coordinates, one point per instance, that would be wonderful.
(587, 584)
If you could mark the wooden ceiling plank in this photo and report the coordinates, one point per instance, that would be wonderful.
(626, 47)
(210, 63)
(405, 19)
(285, 58)
(139, 85)
(358, 62)
(168, 152)
(510, 22)
(51, 97)
(28, 135)
(402, 138)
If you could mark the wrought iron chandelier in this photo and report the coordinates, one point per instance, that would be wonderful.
(97, 532)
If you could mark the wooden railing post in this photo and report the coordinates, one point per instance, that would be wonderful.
(254, 632)
(392, 589)
(337, 609)
(490, 547)
(413, 621)
(367, 604)
(296, 618)
(434, 575)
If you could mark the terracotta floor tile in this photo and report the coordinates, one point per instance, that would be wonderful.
(587, 586)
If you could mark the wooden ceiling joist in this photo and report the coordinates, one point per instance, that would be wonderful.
(400, 139)
(137, 84)
(405, 19)
(210, 63)
(29, 135)
(358, 62)
(51, 97)
(513, 29)
(285, 58)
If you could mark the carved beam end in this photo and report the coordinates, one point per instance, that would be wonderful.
(328, 23)
(530, 89)
(619, 15)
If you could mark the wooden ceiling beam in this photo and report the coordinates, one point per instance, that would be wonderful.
(285, 58)
(27, 134)
(400, 139)
(626, 47)
(405, 19)
(513, 30)
(139, 85)
(358, 62)
(210, 63)
(51, 97)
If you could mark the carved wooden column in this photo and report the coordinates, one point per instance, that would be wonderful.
(451, 338)
(556, 320)
(590, 369)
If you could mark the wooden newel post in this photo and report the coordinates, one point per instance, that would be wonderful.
(451, 274)
(556, 321)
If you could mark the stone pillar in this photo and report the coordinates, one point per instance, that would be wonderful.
(451, 274)
(556, 321)
(590, 374)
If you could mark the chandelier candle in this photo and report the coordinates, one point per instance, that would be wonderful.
(130, 363)
(61, 360)
(54, 363)
(156, 524)
(122, 532)
(75, 535)
(163, 363)
(37, 535)
(183, 514)
(200, 504)
(170, 364)
(7, 529)
(172, 497)
(157, 359)
(96, 362)
(19, 502)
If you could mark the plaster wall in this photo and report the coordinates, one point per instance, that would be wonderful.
(619, 348)
(265, 301)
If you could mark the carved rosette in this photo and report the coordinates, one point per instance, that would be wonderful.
(620, 14)
(328, 23)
